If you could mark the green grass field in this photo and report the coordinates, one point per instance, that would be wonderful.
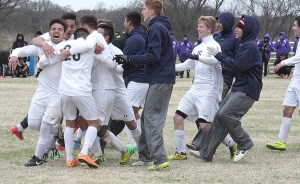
(259, 166)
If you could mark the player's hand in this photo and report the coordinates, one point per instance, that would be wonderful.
(12, 62)
(277, 67)
(212, 50)
(185, 55)
(121, 59)
(99, 48)
(64, 54)
(48, 50)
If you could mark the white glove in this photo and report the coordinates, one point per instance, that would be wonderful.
(212, 50)
(119, 70)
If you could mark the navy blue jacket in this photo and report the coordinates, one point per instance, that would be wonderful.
(228, 44)
(135, 45)
(159, 56)
(247, 62)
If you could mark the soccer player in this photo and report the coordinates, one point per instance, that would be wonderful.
(291, 99)
(205, 94)
(43, 113)
(41, 41)
(159, 65)
(245, 91)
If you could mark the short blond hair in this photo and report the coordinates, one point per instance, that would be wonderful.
(156, 5)
(209, 22)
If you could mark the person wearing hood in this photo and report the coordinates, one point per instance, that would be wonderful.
(19, 43)
(244, 92)
(159, 63)
(228, 43)
(184, 46)
(283, 48)
(266, 47)
(292, 94)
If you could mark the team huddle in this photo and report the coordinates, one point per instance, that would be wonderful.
(87, 81)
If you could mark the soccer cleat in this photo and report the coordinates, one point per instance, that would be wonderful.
(72, 163)
(142, 163)
(178, 156)
(87, 159)
(279, 145)
(100, 160)
(198, 155)
(14, 130)
(192, 147)
(54, 153)
(158, 166)
(126, 156)
(34, 161)
(76, 144)
(239, 155)
(45, 157)
(233, 150)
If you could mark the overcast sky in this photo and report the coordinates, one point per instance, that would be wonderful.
(90, 4)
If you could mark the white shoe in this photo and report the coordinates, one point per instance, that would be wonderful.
(198, 155)
(239, 155)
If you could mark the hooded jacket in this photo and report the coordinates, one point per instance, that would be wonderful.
(184, 46)
(19, 43)
(228, 44)
(135, 44)
(247, 62)
(268, 45)
(159, 56)
(282, 46)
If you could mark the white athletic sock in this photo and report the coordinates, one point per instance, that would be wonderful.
(179, 138)
(90, 136)
(285, 129)
(116, 143)
(129, 136)
(80, 134)
(228, 141)
(96, 149)
(136, 134)
(68, 136)
(20, 128)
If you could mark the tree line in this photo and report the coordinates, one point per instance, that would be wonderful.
(29, 16)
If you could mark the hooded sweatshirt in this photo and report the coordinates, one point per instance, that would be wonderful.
(228, 44)
(247, 62)
(184, 46)
(135, 44)
(19, 42)
(282, 46)
(159, 56)
(268, 45)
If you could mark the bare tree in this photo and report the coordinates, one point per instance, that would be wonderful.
(7, 7)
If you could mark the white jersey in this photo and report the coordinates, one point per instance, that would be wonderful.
(294, 60)
(208, 73)
(76, 71)
(50, 76)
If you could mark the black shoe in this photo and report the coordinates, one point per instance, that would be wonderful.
(34, 161)
(45, 157)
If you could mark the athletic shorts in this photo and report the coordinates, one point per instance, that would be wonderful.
(122, 109)
(104, 99)
(204, 107)
(43, 106)
(292, 94)
(85, 104)
(137, 93)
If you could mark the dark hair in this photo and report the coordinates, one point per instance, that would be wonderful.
(71, 16)
(298, 20)
(58, 21)
(105, 21)
(135, 18)
(39, 33)
(89, 20)
(108, 31)
(81, 33)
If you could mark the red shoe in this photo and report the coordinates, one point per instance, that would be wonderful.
(72, 163)
(60, 148)
(281, 76)
(14, 130)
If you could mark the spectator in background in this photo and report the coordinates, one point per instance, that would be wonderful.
(296, 40)
(185, 46)
(17, 44)
(266, 47)
(283, 48)
(198, 41)
(21, 69)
